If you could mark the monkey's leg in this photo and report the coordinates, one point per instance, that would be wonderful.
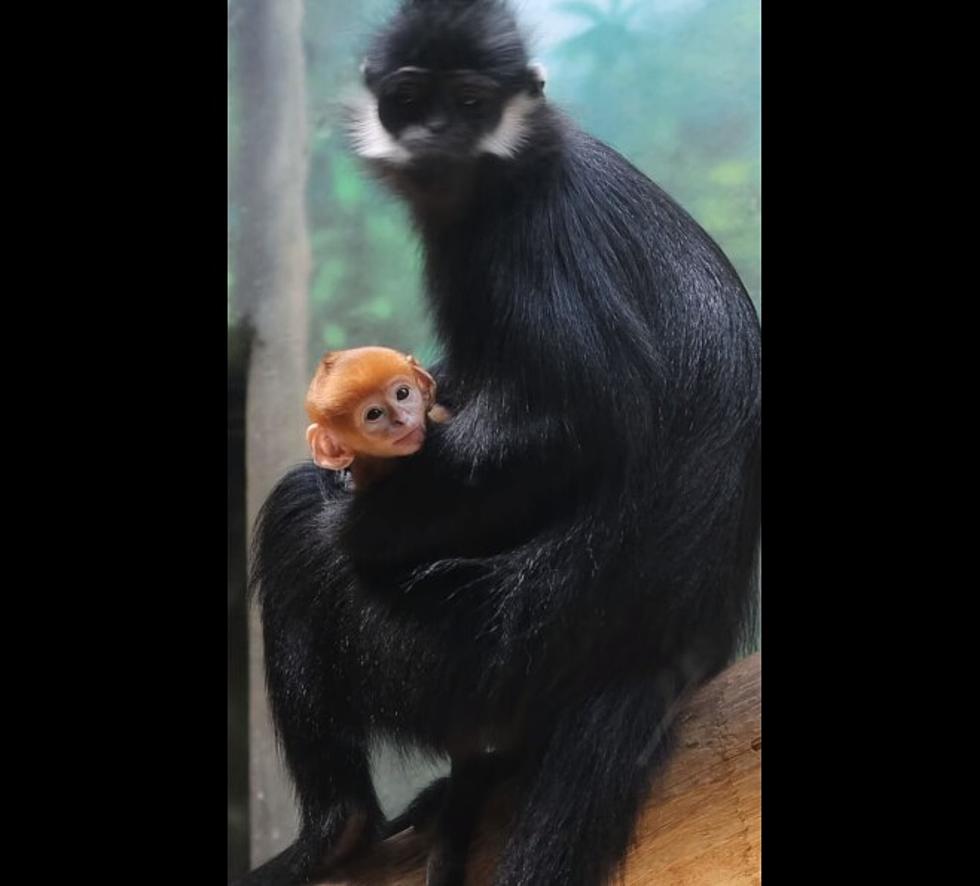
(327, 837)
(582, 792)
(328, 762)
(470, 781)
(304, 592)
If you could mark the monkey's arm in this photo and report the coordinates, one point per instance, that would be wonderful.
(469, 492)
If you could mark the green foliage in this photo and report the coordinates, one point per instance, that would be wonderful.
(673, 85)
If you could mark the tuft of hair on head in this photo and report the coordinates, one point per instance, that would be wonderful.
(343, 377)
(450, 35)
(319, 403)
(445, 4)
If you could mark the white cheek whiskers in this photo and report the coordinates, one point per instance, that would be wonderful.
(372, 141)
(369, 138)
(513, 130)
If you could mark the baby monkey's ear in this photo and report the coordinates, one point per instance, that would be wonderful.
(327, 451)
(426, 383)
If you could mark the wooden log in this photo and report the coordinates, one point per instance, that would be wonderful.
(700, 827)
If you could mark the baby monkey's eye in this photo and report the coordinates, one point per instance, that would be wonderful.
(374, 413)
(402, 392)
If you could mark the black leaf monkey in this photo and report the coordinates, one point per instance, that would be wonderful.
(537, 588)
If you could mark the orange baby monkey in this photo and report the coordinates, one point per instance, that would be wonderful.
(368, 405)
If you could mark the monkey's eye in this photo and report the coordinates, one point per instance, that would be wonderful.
(402, 392)
(407, 94)
(470, 100)
(373, 414)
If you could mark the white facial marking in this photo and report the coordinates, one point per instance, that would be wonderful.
(370, 139)
(512, 131)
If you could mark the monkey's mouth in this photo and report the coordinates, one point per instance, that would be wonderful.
(425, 149)
(415, 437)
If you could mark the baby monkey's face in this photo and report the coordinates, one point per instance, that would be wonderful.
(391, 421)
(369, 401)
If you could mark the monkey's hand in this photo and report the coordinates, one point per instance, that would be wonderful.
(463, 494)
(439, 414)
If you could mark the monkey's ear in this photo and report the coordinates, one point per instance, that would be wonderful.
(425, 381)
(327, 451)
(367, 75)
(537, 76)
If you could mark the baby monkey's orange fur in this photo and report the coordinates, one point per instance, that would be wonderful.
(368, 405)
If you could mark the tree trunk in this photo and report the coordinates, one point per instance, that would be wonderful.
(272, 263)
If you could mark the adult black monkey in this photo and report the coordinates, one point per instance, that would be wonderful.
(569, 555)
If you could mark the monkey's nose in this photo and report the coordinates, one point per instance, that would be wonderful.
(437, 124)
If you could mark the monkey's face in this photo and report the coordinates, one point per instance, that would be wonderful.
(448, 82)
(422, 117)
(436, 116)
(391, 421)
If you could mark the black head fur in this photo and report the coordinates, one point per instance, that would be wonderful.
(449, 35)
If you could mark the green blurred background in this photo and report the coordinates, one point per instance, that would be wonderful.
(674, 85)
